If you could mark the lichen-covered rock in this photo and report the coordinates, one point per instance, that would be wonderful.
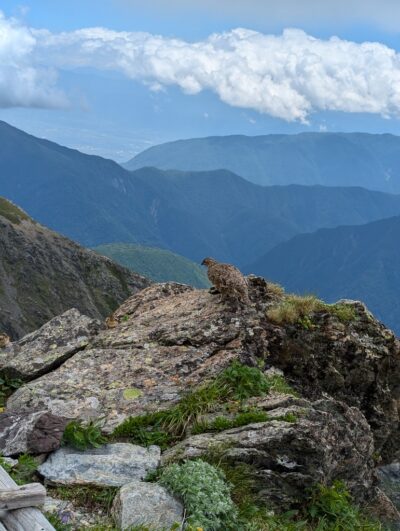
(169, 337)
(147, 504)
(34, 433)
(356, 361)
(110, 465)
(328, 441)
(47, 348)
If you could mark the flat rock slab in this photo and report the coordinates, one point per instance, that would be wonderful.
(111, 465)
(33, 433)
(49, 346)
(147, 504)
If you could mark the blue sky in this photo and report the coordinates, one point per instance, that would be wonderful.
(108, 93)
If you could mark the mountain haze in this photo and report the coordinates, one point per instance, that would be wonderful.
(357, 262)
(195, 214)
(329, 159)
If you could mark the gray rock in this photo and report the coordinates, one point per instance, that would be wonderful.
(328, 441)
(34, 433)
(112, 465)
(149, 504)
(155, 351)
(45, 349)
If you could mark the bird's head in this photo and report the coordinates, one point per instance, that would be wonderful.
(208, 261)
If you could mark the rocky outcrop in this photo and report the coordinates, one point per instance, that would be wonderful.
(327, 441)
(47, 348)
(170, 338)
(110, 465)
(146, 504)
(33, 433)
(43, 274)
(356, 361)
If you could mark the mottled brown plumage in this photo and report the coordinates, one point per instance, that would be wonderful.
(111, 321)
(228, 280)
(4, 340)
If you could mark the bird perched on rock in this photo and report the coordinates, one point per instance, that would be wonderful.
(228, 280)
(111, 321)
(4, 340)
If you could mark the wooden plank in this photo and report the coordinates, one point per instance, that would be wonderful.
(30, 495)
(29, 519)
(26, 520)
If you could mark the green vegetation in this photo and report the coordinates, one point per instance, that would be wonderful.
(242, 419)
(82, 436)
(300, 309)
(7, 387)
(157, 264)
(327, 509)
(236, 383)
(23, 472)
(91, 498)
(11, 212)
(204, 491)
(331, 509)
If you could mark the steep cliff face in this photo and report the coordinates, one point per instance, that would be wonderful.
(42, 274)
(170, 339)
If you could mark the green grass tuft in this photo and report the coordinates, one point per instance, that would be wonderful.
(7, 387)
(83, 436)
(296, 309)
(91, 498)
(242, 419)
(236, 383)
(24, 471)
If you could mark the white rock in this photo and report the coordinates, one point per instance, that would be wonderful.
(112, 464)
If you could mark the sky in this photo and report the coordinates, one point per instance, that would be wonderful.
(113, 77)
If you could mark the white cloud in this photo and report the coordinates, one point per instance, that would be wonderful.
(22, 82)
(288, 76)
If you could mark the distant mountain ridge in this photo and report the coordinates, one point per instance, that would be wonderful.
(356, 262)
(159, 265)
(43, 274)
(216, 213)
(329, 159)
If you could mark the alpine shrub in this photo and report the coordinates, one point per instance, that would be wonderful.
(205, 494)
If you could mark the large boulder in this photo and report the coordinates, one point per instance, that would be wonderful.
(33, 433)
(47, 348)
(328, 441)
(110, 465)
(357, 361)
(168, 337)
(146, 504)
